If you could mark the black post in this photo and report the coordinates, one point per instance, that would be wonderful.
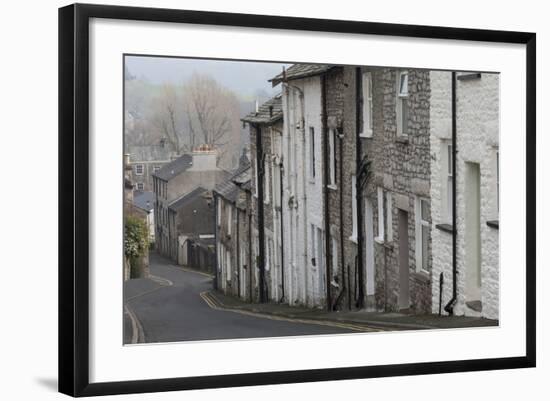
(358, 188)
(324, 133)
(260, 205)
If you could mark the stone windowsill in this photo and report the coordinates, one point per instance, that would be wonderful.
(468, 76)
(448, 228)
(333, 187)
(404, 139)
(353, 239)
(422, 276)
(493, 224)
(366, 135)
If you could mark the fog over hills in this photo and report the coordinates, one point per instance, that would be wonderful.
(248, 80)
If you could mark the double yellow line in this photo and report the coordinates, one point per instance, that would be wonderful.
(213, 303)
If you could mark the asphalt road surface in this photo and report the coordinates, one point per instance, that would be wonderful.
(169, 308)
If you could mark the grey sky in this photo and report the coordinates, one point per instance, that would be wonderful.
(243, 77)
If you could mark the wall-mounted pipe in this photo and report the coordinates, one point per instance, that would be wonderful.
(449, 308)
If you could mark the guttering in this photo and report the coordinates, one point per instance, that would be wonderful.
(449, 308)
(328, 253)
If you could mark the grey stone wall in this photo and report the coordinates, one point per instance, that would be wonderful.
(401, 166)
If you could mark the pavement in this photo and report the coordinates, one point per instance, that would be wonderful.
(180, 304)
(370, 320)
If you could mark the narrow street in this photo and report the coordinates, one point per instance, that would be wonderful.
(168, 307)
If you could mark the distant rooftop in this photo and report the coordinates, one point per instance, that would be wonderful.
(297, 71)
(144, 200)
(230, 189)
(174, 168)
(268, 113)
(185, 199)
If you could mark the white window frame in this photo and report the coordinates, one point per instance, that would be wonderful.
(156, 168)
(219, 212)
(256, 174)
(312, 160)
(367, 105)
(229, 211)
(267, 180)
(389, 221)
(420, 222)
(332, 158)
(139, 167)
(402, 96)
(447, 181)
(138, 184)
(353, 236)
(228, 265)
(497, 184)
(380, 203)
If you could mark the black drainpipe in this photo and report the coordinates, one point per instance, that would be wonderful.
(281, 174)
(358, 189)
(238, 254)
(328, 251)
(342, 258)
(261, 237)
(250, 261)
(449, 308)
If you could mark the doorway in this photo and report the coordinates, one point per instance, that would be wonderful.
(404, 292)
(473, 236)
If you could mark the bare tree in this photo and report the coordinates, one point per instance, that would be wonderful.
(212, 113)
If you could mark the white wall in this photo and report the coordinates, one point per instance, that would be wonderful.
(34, 54)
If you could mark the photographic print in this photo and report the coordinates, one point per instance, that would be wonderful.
(268, 199)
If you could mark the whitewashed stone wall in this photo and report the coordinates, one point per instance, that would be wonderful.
(477, 142)
(302, 196)
(440, 132)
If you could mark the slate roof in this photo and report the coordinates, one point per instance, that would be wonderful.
(174, 168)
(142, 197)
(185, 199)
(268, 113)
(297, 71)
(230, 189)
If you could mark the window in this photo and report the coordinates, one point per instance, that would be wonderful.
(228, 265)
(268, 254)
(156, 168)
(447, 189)
(367, 105)
(276, 185)
(334, 243)
(422, 213)
(219, 213)
(312, 152)
(332, 157)
(402, 102)
(139, 186)
(256, 172)
(267, 180)
(380, 202)
(353, 208)
(139, 169)
(498, 183)
(389, 225)
(228, 211)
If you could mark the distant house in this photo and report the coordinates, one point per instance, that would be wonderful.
(145, 201)
(191, 223)
(266, 141)
(236, 253)
(146, 160)
(175, 180)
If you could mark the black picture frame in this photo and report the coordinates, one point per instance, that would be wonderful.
(74, 198)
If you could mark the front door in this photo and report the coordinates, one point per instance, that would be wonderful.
(404, 298)
(369, 247)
